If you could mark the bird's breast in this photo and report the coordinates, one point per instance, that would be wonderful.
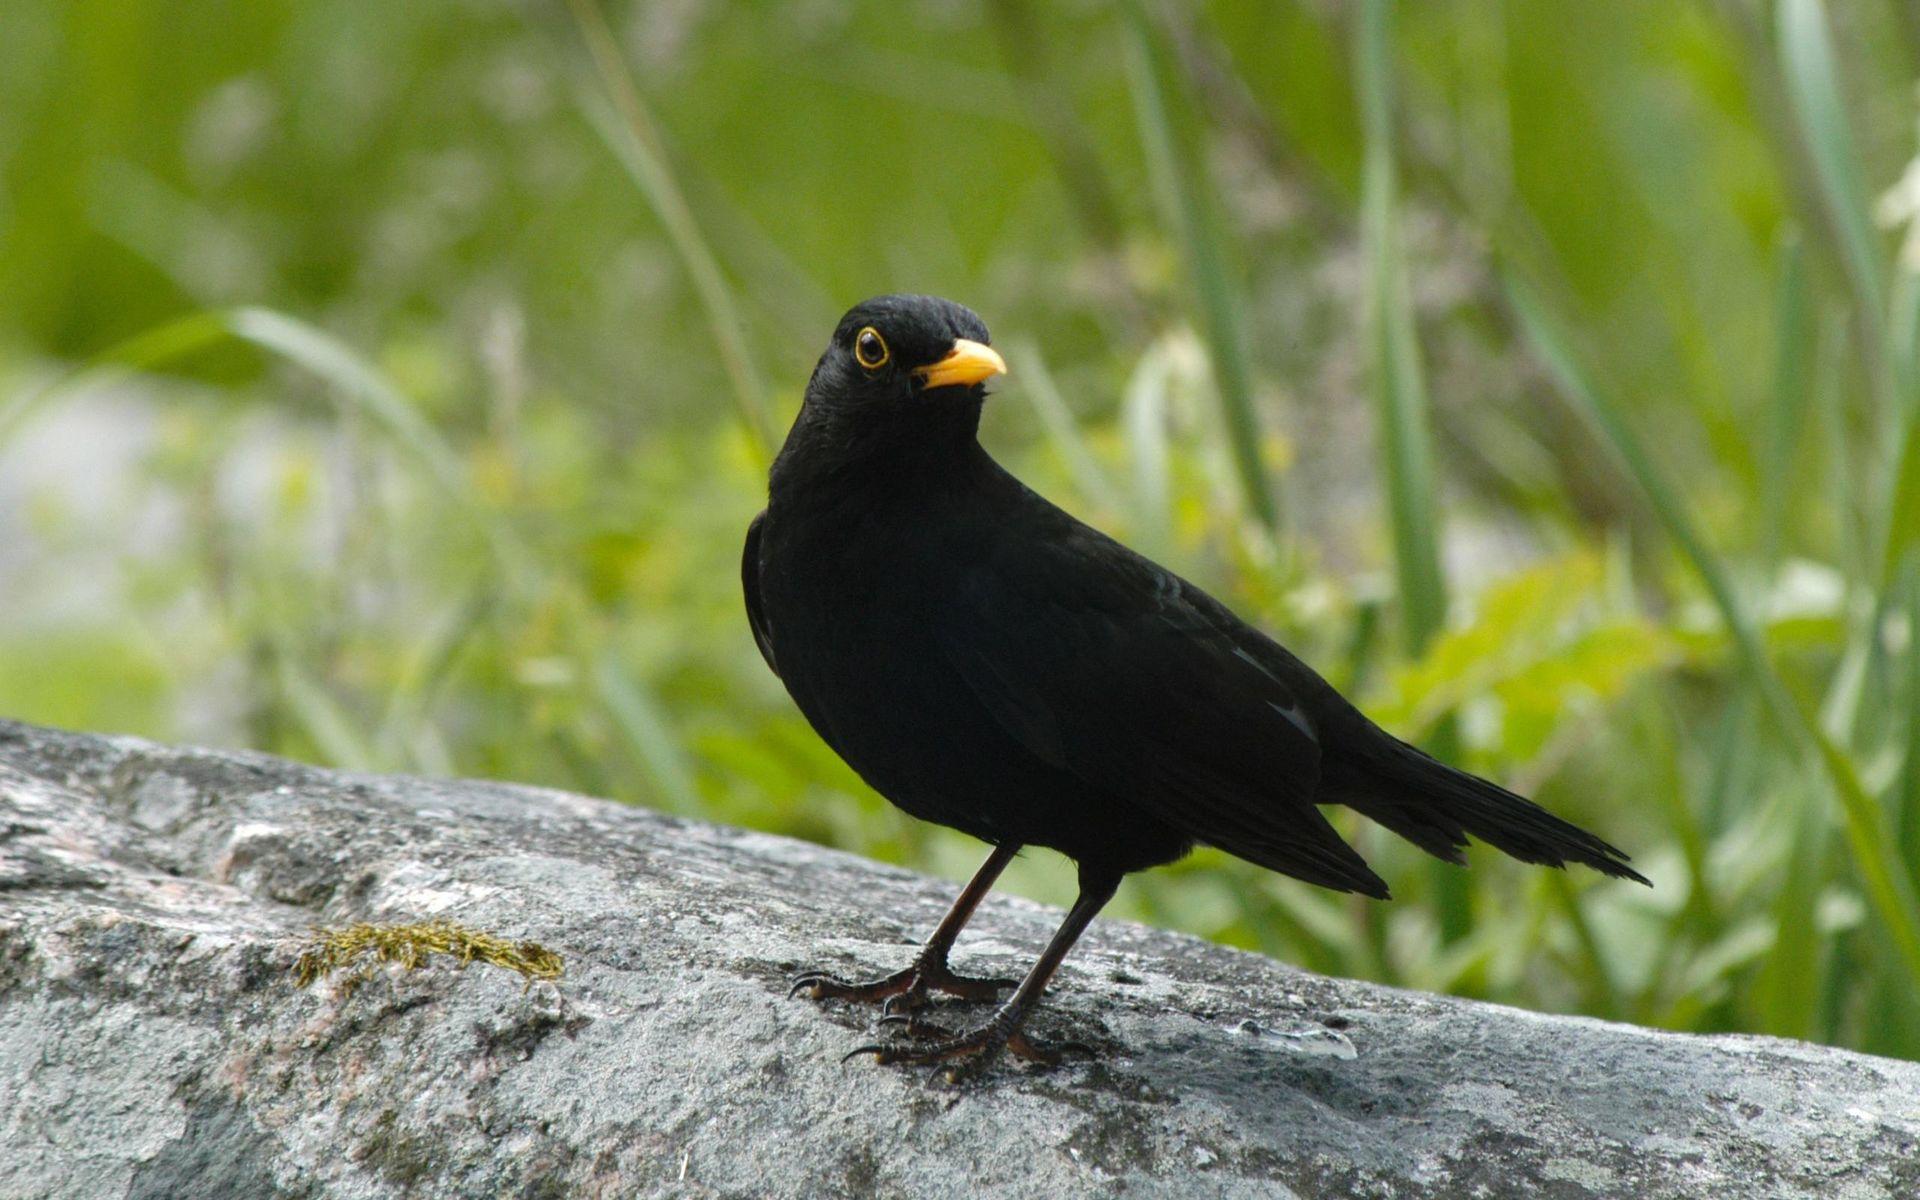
(854, 605)
(856, 611)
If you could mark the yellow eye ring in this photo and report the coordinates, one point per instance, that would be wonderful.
(870, 349)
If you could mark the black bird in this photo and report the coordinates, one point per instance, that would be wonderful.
(987, 662)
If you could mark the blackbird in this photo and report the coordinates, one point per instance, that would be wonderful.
(987, 662)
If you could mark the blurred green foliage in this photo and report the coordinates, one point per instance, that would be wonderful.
(390, 386)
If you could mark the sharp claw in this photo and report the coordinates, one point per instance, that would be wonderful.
(817, 985)
(878, 1051)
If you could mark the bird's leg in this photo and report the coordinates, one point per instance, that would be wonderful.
(971, 1051)
(906, 990)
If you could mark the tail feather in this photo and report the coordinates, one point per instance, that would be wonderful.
(1436, 807)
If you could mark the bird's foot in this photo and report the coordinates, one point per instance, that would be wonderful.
(902, 991)
(965, 1054)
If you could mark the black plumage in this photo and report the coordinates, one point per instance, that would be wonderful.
(988, 662)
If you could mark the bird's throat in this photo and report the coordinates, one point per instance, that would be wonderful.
(928, 442)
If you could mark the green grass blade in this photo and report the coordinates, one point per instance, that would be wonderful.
(1683, 814)
(1147, 410)
(1611, 423)
(1062, 430)
(1398, 378)
(1811, 77)
(1784, 997)
(174, 340)
(1812, 86)
(1398, 381)
(320, 717)
(1902, 511)
(1889, 890)
(1907, 785)
(1604, 989)
(1813, 89)
(358, 384)
(1819, 113)
(644, 726)
(429, 663)
(356, 379)
(1733, 751)
(628, 130)
(1903, 325)
(1794, 336)
(1842, 468)
(1181, 182)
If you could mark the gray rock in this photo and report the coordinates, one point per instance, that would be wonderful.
(153, 1043)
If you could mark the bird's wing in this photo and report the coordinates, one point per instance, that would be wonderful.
(750, 585)
(1122, 673)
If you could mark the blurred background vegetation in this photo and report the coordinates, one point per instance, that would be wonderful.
(390, 386)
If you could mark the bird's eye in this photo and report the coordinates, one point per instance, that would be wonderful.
(870, 349)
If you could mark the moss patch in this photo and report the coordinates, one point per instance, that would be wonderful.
(359, 946)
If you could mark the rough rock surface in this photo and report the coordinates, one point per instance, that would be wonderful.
(152, 1043)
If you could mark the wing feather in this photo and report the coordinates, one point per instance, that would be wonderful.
(750, 586)
(1108, 666)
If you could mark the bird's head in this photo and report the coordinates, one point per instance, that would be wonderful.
(905, 356)
(899, 389)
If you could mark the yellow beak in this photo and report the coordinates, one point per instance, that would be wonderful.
(967, 363)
